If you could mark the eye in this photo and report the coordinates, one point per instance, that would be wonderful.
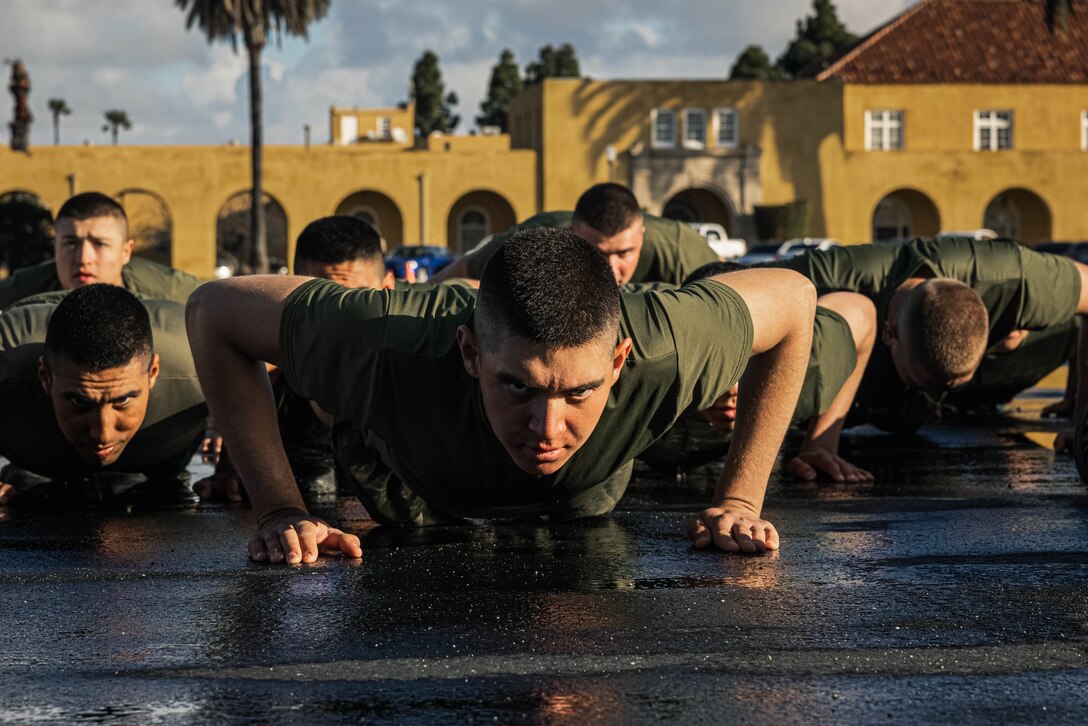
(122, 402)
(580, 394)
(79, 404)
(516, 387)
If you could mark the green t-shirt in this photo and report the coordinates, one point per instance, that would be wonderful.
(671, 250)
(693, 441)
(389, 362)
(29, 435)
(143, 277)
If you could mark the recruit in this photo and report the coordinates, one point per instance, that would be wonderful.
(638, 247)
(92, 244)
(101, 382)
(942, 304)
(527, 399)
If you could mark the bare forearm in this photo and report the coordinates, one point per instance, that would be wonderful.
(457, 268)
(768, 396)
(1078, 370)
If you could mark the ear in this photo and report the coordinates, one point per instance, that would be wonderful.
(470, 350)
(889, 333)
(153, 371)
(44, 376)
(619, 357)
(389, 282)
(126, 251)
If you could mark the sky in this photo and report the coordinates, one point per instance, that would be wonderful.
(136, 55)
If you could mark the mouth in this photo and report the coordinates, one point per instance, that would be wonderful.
(104, 452)
(543, 454)
(85, 277)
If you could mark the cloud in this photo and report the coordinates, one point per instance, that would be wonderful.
(138, 56)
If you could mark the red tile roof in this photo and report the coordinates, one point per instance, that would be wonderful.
(968, 41)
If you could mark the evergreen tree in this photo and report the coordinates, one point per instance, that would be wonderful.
(505, 84)
(819, 37)
(552, 63)
(754, 65)
(433, 105)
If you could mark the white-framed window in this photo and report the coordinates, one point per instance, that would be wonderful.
(993, 130)
(664, 128)
(883, 130)
(727, 130)
(694, 128)
(1084, 130)
(385, 128)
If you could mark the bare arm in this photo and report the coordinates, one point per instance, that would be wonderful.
(820, 449)
(457, 268)
(1065, 438)
(782, 304)
(233, 327)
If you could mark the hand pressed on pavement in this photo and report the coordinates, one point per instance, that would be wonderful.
(219, 487)
(732, 529)
(211, 446)
(811, 462)
(7, 493)
(294, 536)
(1058, 409)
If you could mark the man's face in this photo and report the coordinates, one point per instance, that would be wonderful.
(622, 250)
(351, 273)
(91, 250)
(99, 412)
(542, 403)
(913, 373)
(723, 414)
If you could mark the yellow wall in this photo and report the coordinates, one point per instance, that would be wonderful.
(195, 181)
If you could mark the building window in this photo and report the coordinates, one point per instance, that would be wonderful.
(726, 119)
(694, 128)
(883, 130)
(385, 129)
(993, 130)
(1084, 130)
(474, 227)
(664, 122)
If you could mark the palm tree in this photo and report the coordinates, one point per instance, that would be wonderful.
(1056, 11)
(253, 20)
(116, 119)
(59, 107)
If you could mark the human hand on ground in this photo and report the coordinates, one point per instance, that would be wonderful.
(1058, 409)
(293, 536)
(219, 487)
(811, 462)
(732, 528)
(7, 493)
(1065, 440)
(211, 447)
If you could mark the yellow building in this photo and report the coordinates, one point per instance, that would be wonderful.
(955, 115)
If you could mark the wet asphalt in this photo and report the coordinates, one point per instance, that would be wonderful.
(954, 588)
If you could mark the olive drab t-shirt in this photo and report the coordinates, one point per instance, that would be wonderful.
(671, 250)
(29, 435)
(389, 362)
(142, 277)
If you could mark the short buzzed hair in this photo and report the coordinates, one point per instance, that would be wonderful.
(712, 269)
(946, 327)
(550, 287)
(608, 208)
(92, 204)
(340, 238)
(98, 327)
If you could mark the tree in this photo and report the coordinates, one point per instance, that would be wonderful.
(59, 107)
(1057, 11)
(819, 37)
(116, 119)
(433, 105)
(254, 21)
(754, 65)
(505, 83)
(552, 63)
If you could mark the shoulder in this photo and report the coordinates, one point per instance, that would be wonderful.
(28, 281)
(153, 280)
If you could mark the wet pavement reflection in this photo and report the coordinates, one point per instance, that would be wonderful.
(954, 586)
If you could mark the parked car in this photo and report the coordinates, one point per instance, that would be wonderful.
(418, 263)
(784, 251)
(981, 233)
(719, 240)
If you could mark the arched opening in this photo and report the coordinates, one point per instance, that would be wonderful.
(232, 234)
(26, 231)
(149, 224)
(475, 216)
(903, 214)
(379, 210)
(699, 205)
(1018, 214)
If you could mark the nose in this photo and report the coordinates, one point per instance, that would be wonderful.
(86, 253)
(102, 424)
(617, 272)
(547, 420)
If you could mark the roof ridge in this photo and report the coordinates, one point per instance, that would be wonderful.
(871, 39)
